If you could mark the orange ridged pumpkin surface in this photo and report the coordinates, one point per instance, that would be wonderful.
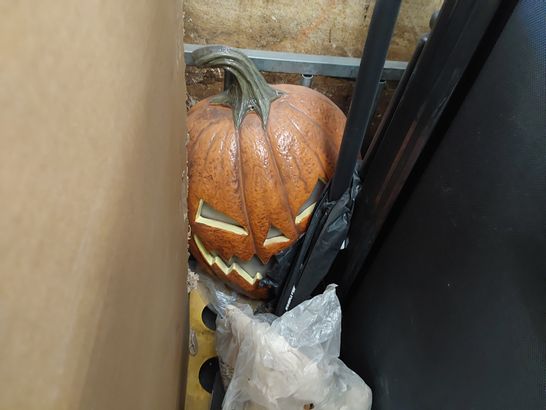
(258, 157)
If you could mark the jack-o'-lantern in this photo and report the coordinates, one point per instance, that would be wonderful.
(258, 158)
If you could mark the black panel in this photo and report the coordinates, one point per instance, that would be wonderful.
(462, 38)
(451, 311)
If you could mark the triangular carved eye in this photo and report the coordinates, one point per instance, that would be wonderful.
(309, 205)
(274, 236)
(209, 216)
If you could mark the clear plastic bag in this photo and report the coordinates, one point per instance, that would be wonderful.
(289, 362)
(216, 293)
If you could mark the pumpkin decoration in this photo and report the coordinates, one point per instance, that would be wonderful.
(258, 158)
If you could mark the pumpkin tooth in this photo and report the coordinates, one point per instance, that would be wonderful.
(209, 257)
(213, 259)
(239, 269)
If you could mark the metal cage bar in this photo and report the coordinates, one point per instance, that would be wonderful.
(309, 64)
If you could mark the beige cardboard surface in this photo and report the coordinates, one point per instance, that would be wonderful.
(92, 235)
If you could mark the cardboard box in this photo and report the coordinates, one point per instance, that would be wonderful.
(92, 229)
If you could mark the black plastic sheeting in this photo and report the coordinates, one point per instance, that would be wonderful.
(330, 222)
(310, 260)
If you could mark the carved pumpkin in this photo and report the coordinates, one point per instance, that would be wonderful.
(254, 179)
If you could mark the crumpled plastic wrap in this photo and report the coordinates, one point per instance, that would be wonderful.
(289, 362)
(216, 293)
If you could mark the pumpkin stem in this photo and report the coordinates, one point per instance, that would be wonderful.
(249, 91)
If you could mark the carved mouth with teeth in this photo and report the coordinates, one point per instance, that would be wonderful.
(251, 271)
(244, 273)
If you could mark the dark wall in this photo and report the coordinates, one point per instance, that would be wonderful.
(450, 312)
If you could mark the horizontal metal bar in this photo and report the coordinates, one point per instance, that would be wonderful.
(330, 66)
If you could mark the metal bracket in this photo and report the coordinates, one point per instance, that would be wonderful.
(309, 64)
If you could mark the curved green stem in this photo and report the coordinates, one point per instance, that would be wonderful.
(249, 91)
